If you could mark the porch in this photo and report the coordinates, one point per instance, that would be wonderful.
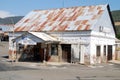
(40, 47)
(52, 52)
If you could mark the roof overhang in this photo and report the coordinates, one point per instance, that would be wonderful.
(32, 38)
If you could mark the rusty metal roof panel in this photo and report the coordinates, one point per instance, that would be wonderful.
(64, 19)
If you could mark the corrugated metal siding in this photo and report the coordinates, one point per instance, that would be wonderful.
(64, 19)
(6, 28)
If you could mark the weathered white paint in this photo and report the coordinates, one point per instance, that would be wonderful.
(101, 42)
(75, 50)
(80, 44)
(83, 43)
(82, 54)
(32, 37)
(102, 38)
(75, 53)
(78, 52)
(11, 37)
(104, 21)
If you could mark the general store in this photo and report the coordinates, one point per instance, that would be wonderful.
(84, 34)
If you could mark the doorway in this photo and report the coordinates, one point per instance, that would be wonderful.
(66, 52)
(98, 51)
(109, 57)
(98, 54)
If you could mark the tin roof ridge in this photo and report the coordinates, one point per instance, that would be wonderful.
(70, 7)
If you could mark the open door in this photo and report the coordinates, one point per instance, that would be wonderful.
(98, 54)
(109, 57)
(66, 52)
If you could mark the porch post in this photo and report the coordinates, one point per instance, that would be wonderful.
(102, 54)
(82, 50)
(44, 55)
(59, 52)
(14, 52)
(106, 53)
(113, 52)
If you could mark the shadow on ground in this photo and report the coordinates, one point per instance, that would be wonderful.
(6, 57)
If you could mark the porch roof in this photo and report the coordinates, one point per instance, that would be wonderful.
(43, 36)
(32, 38)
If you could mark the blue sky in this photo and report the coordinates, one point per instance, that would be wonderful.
(22, 7)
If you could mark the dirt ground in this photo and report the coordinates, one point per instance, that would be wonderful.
(4, 46)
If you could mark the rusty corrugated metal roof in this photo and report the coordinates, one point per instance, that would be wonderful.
(63, 19)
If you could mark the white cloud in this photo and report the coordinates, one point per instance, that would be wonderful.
(4, 14)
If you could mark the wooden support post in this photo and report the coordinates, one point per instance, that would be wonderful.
(59, 52)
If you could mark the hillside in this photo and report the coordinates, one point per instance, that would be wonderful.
(116, 18)
(116, 15)
(10, 20)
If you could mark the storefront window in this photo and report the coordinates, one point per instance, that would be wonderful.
(98, 50)
(54, 49)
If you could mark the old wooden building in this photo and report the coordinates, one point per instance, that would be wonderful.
(4, 32)
(83, 34)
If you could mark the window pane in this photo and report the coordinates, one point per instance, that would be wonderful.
(54, 50)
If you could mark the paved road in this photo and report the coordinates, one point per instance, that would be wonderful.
(66, 72)
(61, 72)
